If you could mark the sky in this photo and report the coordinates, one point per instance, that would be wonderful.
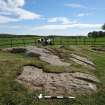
(51, 17)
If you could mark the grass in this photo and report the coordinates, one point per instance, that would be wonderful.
(12, 93)
(13, 42)
(79, 41)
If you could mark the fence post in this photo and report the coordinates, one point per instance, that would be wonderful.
(76, 41)
(60, 41)
(94, 40)
(35, 41)
(67, 42)
(11, 42)
(53, 40)
(84, 41)
(23, 42)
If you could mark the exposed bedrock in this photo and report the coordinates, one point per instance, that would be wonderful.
(42, 53)
(58, 83)
(82, 61)
(47, 56)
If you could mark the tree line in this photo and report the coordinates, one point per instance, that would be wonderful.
(16, 36)
(97, 33)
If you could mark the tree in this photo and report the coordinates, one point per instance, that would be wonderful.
(103, 26)
(95, 34)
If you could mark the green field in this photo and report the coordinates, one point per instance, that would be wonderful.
(12, 42)
(13, 93)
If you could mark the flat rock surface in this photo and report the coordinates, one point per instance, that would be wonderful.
(82, 61)
(42, 53)
(47, 56)
(86, 77)
(50, 58)
(58, 83)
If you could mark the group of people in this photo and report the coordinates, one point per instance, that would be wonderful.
(45, 41)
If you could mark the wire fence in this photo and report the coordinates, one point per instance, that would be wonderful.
(14, 42)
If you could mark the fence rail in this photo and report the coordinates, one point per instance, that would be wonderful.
(13, 42)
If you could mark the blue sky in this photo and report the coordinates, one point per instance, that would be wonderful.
(51, 17)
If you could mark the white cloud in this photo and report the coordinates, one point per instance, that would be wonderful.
(71, 29)
(11, 4)
(83, 14)
(13, 8)
(81, 6)
(4, 19)
(52, 20)
(62, 20)
(5, 13)
(24, 14)
(14, 3)
(81, 26)
(75, 5)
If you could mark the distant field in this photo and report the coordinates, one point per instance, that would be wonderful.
(79, 41)
(13, 42)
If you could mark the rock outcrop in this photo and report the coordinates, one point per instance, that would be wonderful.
(82, 61)
(42, 53)
(58, 84)
(47, 56)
